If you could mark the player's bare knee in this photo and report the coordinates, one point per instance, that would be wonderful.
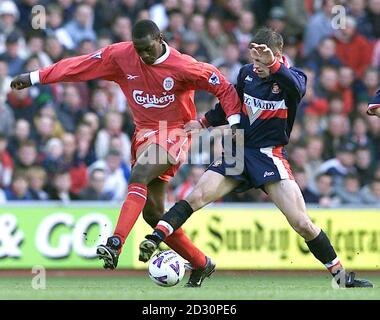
(197, 199)
(305, 228)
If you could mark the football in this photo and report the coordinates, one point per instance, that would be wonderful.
(166, 268)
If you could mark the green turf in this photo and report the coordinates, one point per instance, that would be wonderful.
(218, 287)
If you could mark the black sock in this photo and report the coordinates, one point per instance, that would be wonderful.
(178, 214)
(322, 249)
(175, 217)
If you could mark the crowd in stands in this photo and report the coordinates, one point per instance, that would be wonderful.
(71, 141)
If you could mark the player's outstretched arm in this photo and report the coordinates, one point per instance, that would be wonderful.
(81, 68)
(216, 116)
(204, 76)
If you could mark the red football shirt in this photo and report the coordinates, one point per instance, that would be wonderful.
(163, 91)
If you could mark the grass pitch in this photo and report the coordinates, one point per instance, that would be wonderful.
(218, 287)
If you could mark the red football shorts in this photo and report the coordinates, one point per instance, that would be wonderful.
(175, 141)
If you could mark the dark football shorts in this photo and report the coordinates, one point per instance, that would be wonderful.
(261, 166)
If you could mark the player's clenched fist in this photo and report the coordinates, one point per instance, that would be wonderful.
(22, 81)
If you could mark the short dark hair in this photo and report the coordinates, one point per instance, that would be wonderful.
(269, 37)
(144, 28)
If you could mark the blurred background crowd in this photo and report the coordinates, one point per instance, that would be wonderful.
(71, 141)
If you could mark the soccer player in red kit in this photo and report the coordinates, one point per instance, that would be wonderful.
(159, 84)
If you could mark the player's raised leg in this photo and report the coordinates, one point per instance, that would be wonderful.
(171, 222)
(178, 241)
(288, 198)
(183, 209)
(146, 169)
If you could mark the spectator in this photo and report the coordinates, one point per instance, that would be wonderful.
(319, 26)
(80, 27)
(374, 134)
(326, 196)
(369, 24)
(335, 135)
(311, 104)
(371, 193)
(61, 187)
(277, 19)
(359, 136)
(159, 12)
(296, 17)
(340, 166)
(9, 15)
(11, 54)
(243, 32)
(353, 49)
(6, 163)
(112, 128)
(122, 29)
(96, 187)
(115, 180)
(19, 188)
(92, 120)
(327, 84)
(192, 46)
(53, 155)
(99, 103)
(20, 135)
(314, 149)
(22, 103)
(131, 9)
(302, 180)
(363, 165)
(85, 140)
(71, 108)
(54, 49)
(5, 80)
(55, 26)
(37, 178)
(176, 28)
(35, 48)
(230, 13)
(230, 59)
(346, 83)
(197, 23)
(356, 8)
(349, 192)
(376, 55)
(6, 118)
(26, 155)
(44, 131)
(214, 39)
(370, 82)
(298, 156)
(75, 165)
(323, 55)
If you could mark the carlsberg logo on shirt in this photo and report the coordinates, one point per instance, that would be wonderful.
(152, 101)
